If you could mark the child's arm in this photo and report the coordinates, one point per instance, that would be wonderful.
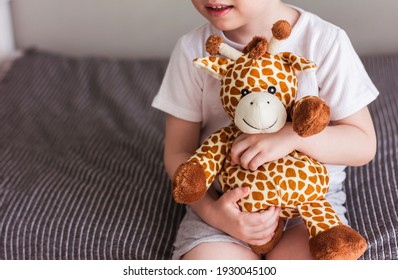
(181, 141)
(350, 141)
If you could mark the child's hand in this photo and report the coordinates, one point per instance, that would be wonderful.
(252, 150)
(253, 228)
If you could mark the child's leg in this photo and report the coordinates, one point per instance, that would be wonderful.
(220, 251)
(197, 240)
(292, 246)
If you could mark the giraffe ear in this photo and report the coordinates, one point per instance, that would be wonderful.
(215, 66)
(299, 63)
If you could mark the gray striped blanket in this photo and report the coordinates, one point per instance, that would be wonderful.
(81, 172)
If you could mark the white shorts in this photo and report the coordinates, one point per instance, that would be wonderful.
(194, 231)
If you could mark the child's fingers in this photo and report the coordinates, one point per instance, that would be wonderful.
(236, 155)
(270, 215)
(235, 195)
(262, 219)
(248, 159)
(264, 235)
(258, 160)
(238, 148)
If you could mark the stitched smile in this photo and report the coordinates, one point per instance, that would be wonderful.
(259, 128)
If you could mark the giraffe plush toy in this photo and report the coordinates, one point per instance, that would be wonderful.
(258, 92)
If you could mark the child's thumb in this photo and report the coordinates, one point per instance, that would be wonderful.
(237, 193)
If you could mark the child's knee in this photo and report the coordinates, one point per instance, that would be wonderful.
(220, 251)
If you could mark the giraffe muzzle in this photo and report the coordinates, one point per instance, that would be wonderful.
(260, 113)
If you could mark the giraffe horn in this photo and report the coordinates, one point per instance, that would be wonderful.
(280, 31)
(229, 51)
(215, 45)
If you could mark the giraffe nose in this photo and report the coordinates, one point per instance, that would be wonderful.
(257, 103)
(260, 100)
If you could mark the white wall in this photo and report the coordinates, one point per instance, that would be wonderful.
(122, 28)
(372, 25)
(139, 28)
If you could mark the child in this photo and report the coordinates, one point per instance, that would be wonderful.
(213, 227)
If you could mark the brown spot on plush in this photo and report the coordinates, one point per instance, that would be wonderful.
(272, 81)
(248, 207)
(290, 173)
(235, 91)
(239, 83)
(281, 76)
(222, 61)
(260, 186)
(271, 166)
(261, 176)
(310, 189)
(213, 44)
(284, 89)
(251, 81)
(251, 177)
(244, 72)
(271, 195)
(287, 68)
(265, 63)
(255, 73)
(258, 196)
(281, 29)
(292, 185)
(267, 72)
(338, 243)
(234, 102)
(241, 175)
(313, 179)
(270, 186)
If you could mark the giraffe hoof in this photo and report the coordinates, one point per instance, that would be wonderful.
(189, 183)
(338, 243)
(310, 116)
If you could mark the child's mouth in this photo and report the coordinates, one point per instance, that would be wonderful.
(218, 9)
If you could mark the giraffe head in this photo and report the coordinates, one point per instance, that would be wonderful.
(258, 85)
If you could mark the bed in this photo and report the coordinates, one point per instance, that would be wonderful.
(81, 172)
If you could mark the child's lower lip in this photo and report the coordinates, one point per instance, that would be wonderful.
(218, 12)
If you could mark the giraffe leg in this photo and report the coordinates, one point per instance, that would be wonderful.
(319, 216)
(329, 238)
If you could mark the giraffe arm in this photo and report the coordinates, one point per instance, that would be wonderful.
(310, 115)
(194, 177)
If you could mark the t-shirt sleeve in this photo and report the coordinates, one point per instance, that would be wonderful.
(343, 80)
(180, 93)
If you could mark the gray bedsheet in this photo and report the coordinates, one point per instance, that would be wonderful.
(81, 173)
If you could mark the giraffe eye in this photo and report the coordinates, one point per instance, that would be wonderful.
(272, 89)
(244, 92)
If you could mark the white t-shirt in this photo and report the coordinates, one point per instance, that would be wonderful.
(340, 79)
